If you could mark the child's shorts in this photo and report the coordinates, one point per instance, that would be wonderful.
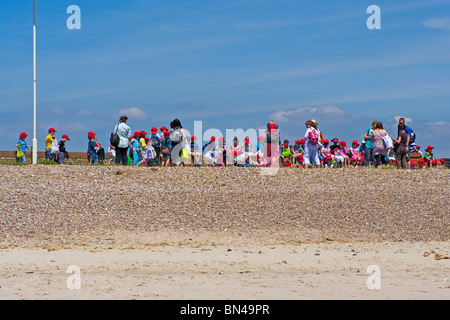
(166, 155)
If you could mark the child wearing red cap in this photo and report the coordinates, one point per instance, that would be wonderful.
(166, 149)
(325, 154)
(62, 148)
(48, 144)
(248, 154)
(296, 152)
(428, 157)
(155, 141)
(92, 148)
(22, 148)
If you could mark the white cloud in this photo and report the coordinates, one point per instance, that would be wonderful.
(407, 120)
(438, 23)
(132, 112)
(437, 124)
(307, 113)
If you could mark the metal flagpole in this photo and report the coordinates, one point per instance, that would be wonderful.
(34, 152)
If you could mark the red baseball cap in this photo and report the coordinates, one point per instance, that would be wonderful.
(421, 161)
(355, 142)
(303, 141)
(442, 161)
(65, 136)
(137, 133)
(166, 133)
(429, 148)
(343, 143)
(154, 129)
(51, 130)
(212, 139)
(326, 141)
(413, 163)
(246, 140)
(193, 138)
(23, 135)
(91, 135)
(434, 162)
(163, 128)
(298, 141)
(147, 139)
(143, 132)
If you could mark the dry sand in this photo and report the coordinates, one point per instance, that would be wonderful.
(215, 233)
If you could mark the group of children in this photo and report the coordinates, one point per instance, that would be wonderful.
(156, 149)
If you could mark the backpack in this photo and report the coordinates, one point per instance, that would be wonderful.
(275, 136)
(412, 138)
(177, 135)
(115, 139)
(313, 137)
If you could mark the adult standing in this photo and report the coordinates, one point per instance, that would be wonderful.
(124, 133)
(408, 139)
(312, 144)
(178, 138)
(379, 149)
(400, 153)
(368, 146)
(272, 143)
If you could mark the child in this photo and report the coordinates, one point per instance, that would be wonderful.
(112, 154)
(195, 152)
(134, 147)
(149, 155)
(325, 154)
(155, 141)
(428, 157)
(234, 152)
(245, 147)
(413, 165)
(62, 148)
(142, 145)
(442, 162)
(92, 148)
(22, 147)
(48, 144)
(260, 147)
(221, 152)
(166, 149)
(354, 153)
(285, 153)
(296, 151)
(344, 154)
(421, 163)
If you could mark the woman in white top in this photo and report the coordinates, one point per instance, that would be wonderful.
(124, 133)
(312, 144)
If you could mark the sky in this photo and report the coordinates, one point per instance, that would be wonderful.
(234, 64)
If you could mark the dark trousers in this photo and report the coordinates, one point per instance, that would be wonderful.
(401, 156)
(121, 155)
(368, 157)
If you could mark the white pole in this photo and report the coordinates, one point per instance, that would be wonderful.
(34, 153)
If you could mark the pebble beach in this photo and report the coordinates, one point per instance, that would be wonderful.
(214, 229)
(70, 204)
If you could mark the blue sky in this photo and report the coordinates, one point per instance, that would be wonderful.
(230, 64)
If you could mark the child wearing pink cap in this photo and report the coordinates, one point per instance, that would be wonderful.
(354, 154)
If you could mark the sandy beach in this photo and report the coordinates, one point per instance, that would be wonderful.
(215, 233)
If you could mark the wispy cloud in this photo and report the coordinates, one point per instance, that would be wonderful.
(132, 112)
(438, 23)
